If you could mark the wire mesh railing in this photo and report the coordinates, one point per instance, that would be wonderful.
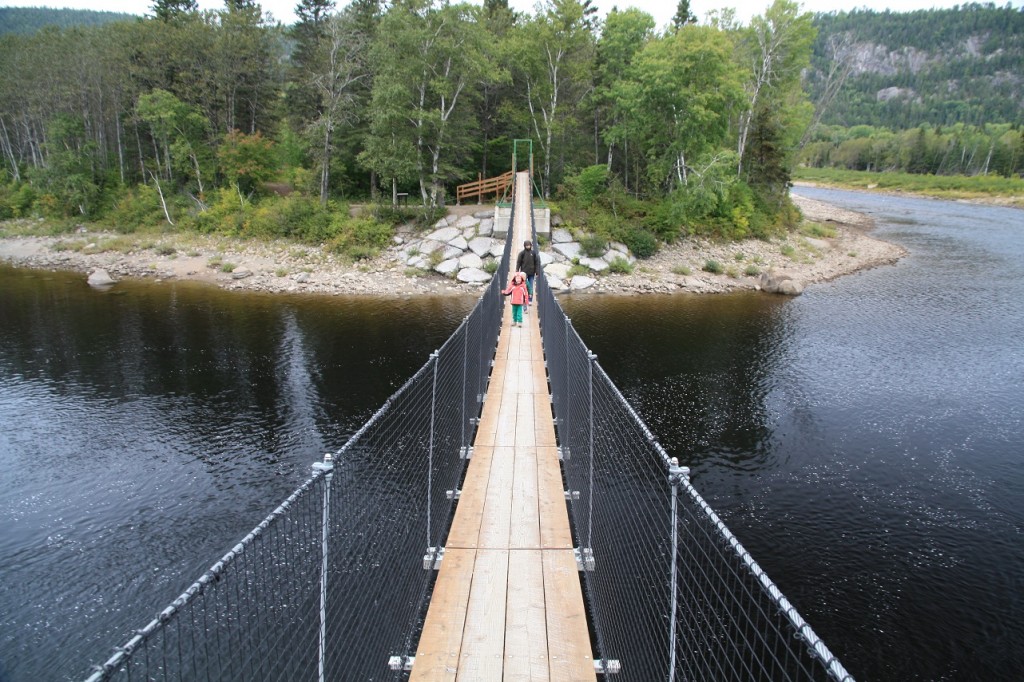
(334, 583)
(670, 591)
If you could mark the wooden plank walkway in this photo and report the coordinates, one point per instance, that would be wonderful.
(507, 603)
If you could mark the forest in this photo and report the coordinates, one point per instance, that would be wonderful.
(225, 122)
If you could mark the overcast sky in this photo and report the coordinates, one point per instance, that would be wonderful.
(661, 10)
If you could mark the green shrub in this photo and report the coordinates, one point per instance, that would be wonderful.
(491, 266)
(578, 269)
(620, 265)
(641, 242)
(228, 267)
(817, 230)
(787, 250)
(593, 246)
(683, 270)
(587, 185)
(137, 207)
(358, 238)
(739, 256)
(752, 271)
(713, 267)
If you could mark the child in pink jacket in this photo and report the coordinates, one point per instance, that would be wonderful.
(520, 297)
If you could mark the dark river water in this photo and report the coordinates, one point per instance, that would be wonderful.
(864, 441)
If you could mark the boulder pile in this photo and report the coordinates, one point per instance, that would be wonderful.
(465, 249)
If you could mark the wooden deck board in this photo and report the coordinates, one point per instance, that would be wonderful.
(437, 657)
(566, 624)
(526, 631)
(482, 652)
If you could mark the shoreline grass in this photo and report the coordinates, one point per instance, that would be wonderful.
(939, 186)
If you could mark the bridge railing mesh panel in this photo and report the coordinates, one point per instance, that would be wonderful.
(336, 581)
(670, 591)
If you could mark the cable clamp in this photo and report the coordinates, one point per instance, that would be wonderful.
(326, 465)
(401, 663)
(584, 558)
(466, 452)
(563, 453)
(607, 666)
(676, 474)
(571, 495)
(432, 559)
(453, 494)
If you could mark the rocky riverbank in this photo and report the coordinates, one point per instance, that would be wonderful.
(843, 246)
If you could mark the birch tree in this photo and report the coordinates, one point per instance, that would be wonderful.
(777, 48)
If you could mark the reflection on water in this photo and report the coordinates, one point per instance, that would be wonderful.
(863, 440)
(149, 427)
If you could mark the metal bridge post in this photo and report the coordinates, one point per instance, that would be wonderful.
(590, 498)
(430, 452)
(327, 466)
(465, 357)
(677, 475)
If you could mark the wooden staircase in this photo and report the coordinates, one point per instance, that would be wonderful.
(484, 186)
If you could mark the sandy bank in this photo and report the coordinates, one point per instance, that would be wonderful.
(288, 267)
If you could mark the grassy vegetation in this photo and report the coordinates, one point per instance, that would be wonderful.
(942, 186)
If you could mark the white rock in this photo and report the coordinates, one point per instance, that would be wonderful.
(554, 283)
(561, 236)
(241, 273)
(568, 249)
(581, 282)
(620, 247)
(473, 276)
(481, 246)
(445, 234)
(459, 243)
(467, 221)
(546, 258)
(595, 264)
(483, 215)
(398, 240)
(429, 246)
(560, 270)
(469, 232)
(451, 252)
(447, 267)
(471, 260)
(498, 248)
(301, 277)
(486, 227)
(100, 278)
(612, 254)
(440, 224)
(417, 262)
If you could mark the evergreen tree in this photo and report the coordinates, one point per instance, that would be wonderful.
(683, 15)
(167, 10)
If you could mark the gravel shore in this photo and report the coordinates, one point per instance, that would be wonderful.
(289, 267)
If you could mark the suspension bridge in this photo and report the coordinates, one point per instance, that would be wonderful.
(506, 514)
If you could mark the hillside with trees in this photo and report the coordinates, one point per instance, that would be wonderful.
(31, 19)
(937, 67)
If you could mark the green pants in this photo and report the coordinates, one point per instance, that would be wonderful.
(517, 313)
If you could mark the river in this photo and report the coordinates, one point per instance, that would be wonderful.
(863, 440)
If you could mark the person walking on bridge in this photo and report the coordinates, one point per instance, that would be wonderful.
(520, 296)
(526, 263)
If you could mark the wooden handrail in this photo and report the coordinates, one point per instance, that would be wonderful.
(496, 185)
